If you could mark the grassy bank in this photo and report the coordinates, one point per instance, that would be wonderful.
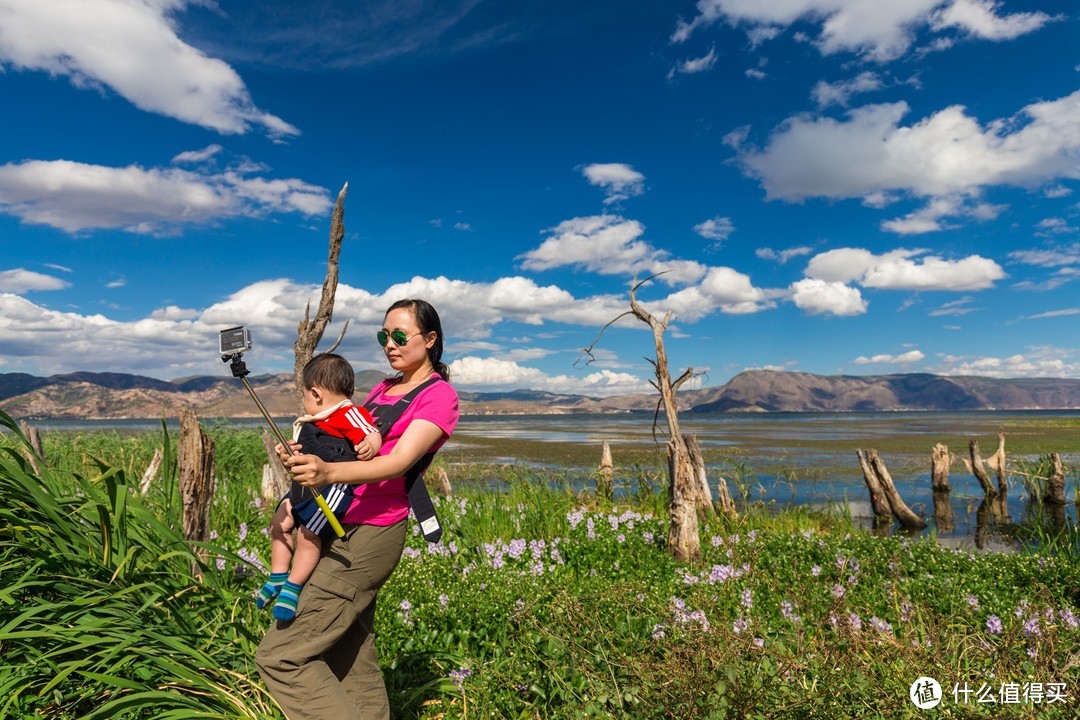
(541, 602)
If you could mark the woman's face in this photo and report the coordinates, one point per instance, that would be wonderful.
(413, 353)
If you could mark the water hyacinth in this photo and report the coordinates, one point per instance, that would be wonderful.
(993, 625)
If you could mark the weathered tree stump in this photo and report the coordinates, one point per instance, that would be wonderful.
(606, 472)
(1056, 494)
(996, 462)
(697, 460)
(940, 460)
(195, 457)
(878, 502)
(684, 540)
(151, 472)
(34, 454)
(977, 468)
(276, 480)
(442, 481)
(1055, 497)
(880, 484)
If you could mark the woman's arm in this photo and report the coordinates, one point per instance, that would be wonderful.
(418, 438)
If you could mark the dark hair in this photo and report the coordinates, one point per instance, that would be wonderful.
(332, 372)
(428, 321)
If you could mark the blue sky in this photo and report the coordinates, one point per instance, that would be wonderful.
(827, 186)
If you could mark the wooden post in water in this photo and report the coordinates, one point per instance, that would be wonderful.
(1055, 498)
(605, 474)
(195, 457)
(940, 460)
(903, 513)
(976, 467)
(997, 464)
(882, 510)
(884, 497)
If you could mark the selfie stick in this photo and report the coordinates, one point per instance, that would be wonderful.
(239, 370)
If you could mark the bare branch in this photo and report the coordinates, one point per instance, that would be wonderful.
(588, 350)
(341, 337)
(310, 332)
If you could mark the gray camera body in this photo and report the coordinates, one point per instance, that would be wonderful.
(235, 341)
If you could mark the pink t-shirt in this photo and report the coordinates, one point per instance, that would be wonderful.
(386, 502)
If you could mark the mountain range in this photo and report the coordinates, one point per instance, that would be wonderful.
(85, 395)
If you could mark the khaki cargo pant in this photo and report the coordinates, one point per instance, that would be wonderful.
(322, 665)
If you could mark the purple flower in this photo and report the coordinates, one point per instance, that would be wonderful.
(458, 676)
(740, 625)
(973, 602)
(993, 625)
(1031, 627)
(243, 531)
(747, 599)
(815, 570)
(838, 591)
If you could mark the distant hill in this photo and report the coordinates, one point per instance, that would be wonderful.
(85, 395)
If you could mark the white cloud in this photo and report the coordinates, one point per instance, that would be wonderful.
(912, 356)
(929, 218)
(618, 180)
(897, 270)
(20, 280)
(956, 307)
(131, 47)
(722, 288)
(697, 65)
(489, 375)
(113, 284)
(755, 74)
(870, 155)
(881, 31)
(197, 156)
(717, 228)
(820, 297)
(839, 93)
(782, 256)
(1048, 257)
(464, 227)
(1064, 312)
(609, 245)
(978, 19)
(76, 196)
(1037, 362)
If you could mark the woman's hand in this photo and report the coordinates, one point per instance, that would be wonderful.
(284, 455)
(308, 470)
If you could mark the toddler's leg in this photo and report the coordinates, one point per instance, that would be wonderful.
(281, 528)
(305, 558)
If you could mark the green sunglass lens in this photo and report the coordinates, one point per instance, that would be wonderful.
(397, 336)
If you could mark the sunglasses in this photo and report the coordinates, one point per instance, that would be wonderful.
(398, 336)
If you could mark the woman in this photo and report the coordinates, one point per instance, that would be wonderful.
(323, 664)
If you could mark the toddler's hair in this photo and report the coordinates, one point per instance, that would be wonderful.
(330, 371)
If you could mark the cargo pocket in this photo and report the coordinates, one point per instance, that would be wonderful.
(327, 604)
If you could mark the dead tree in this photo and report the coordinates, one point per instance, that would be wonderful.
(151, 472)
(606, 472)
(1055, 497)
(878, 502)
(33, 451)
(872, 463)
(996, 462)
(940, 460)
(276, 480)
(310, 332)
(195, 459)
(684, 487)
(976, 467)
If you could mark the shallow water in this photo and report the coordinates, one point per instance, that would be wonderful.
(787, 458)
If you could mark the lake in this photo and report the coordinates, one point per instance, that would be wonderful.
(781, 458)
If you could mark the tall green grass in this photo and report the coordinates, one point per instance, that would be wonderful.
(100, 615)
